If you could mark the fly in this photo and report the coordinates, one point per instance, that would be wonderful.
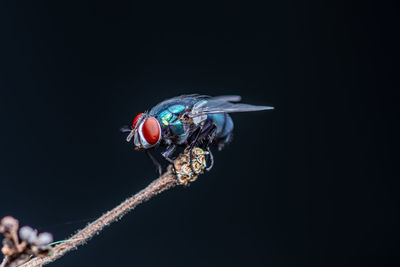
(187, 121)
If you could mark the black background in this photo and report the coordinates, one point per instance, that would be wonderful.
(312, 183)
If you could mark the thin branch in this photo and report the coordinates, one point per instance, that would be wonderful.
(161, 184)
(184, 175)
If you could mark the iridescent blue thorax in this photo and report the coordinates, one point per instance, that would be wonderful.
(170, 118)
(169, 114)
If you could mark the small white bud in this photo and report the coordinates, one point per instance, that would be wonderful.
(28, 234)
(9, 223)
(44, 239)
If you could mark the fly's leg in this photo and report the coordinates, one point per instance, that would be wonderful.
(206, 132)
(167, 156)
(194, 141)
(211, 137)
(191, 146)
(168, 152)
(211, 160)
(191, 160)
(155, 162)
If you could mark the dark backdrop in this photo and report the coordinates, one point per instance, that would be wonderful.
(312, 183)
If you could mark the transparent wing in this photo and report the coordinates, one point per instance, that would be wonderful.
(215, 105)
(230, 98)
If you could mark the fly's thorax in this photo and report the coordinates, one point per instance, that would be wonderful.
(174, 123)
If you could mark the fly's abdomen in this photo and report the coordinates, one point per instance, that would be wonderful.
(224, 125)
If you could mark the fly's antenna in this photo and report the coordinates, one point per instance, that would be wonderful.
(125, 129)
(129, 137)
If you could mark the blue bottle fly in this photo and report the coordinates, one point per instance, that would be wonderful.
(188, 121)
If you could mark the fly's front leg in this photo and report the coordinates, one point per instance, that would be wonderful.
(167, 156)
(168, 153)
(155, 162)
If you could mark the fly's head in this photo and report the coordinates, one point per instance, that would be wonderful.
(146, 132)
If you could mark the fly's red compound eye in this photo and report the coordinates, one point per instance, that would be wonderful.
(136, 119)
(151, 130)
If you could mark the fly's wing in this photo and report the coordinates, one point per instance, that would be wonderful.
(182, 99)
(222, 105)
(230, 98)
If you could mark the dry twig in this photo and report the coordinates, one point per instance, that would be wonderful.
(166, 181)
(20, 244)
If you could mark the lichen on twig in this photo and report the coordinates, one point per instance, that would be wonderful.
(186, 169)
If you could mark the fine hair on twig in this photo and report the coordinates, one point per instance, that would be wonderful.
(181, 173)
